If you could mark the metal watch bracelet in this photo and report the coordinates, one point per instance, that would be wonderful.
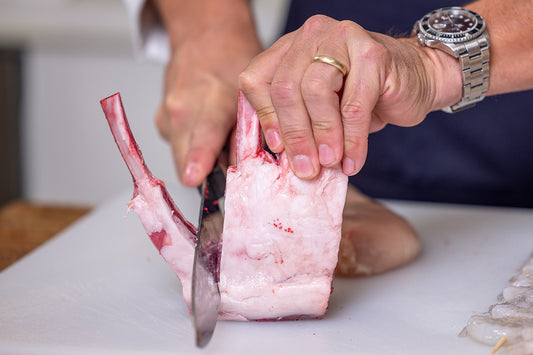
(474, 58)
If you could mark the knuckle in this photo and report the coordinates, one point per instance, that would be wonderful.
(374, 52)
(267, 116)
(353, 113)
(285, 91)
(356, 122)
(313, 88)
(345, 27)
(248, 81)
(315, 22)
(322, 126)
(354, 142)
(176, 107)
(294, 137)
(354, 146)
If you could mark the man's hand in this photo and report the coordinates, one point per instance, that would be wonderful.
(322, 118)
(211, 42)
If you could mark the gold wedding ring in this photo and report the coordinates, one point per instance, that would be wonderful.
(331, 61)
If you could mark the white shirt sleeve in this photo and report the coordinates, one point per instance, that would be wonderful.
(149, 37)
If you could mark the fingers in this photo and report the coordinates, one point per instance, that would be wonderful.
(360, 96)
(255, 83)
(307, 105)
(364, 86)
(320, 86)
(294, 121)
(297, 100)
(271, 84)
(323, 116)
(199, 107)
(197, 129)
(203, 147)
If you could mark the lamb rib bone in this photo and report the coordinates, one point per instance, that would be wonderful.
(171, 233)
(281, 234)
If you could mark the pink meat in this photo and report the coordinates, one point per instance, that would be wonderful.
(281, 234)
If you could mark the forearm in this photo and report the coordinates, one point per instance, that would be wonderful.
(510, 28)
(186, 19)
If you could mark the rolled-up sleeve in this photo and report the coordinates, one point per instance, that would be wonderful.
(149, 37)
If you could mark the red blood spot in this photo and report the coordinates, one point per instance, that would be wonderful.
(215, 202)
(159, 239)
(277, 224)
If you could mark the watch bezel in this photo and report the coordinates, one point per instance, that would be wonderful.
(430, 33)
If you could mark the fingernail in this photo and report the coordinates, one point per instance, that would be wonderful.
(348, 167)
(302, 166)
(273, 139)
(191, 171)
(325, 154)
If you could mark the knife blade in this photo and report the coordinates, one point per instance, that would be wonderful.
(205, 293)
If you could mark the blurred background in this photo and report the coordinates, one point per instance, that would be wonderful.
(58, 58)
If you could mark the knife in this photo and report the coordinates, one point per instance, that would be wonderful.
(205, 293)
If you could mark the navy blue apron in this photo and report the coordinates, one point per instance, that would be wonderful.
(479, 156)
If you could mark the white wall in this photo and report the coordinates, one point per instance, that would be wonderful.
(69, 153)
(78, 52)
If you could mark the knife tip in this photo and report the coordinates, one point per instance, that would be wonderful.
(203, 338)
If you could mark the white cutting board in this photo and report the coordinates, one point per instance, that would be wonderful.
(100, 287)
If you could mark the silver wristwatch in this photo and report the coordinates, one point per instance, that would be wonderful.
(461, 33)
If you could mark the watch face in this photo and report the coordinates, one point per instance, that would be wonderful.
(451, 24)
(451, 21)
